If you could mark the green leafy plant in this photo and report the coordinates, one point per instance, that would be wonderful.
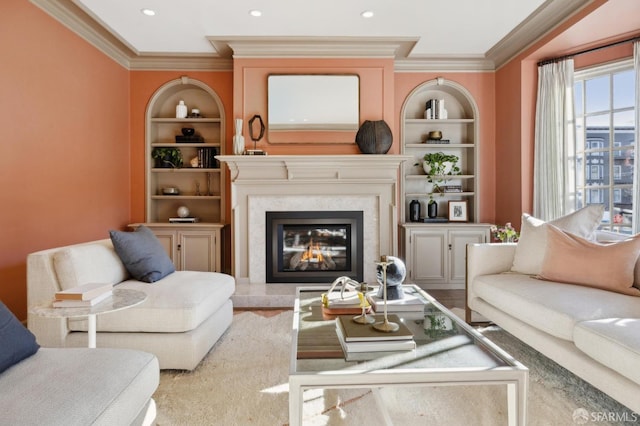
(167, 157)
(437, 165)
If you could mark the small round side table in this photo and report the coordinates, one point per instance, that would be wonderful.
(121, 299)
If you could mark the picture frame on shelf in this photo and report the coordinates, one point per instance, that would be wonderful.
(458, 211)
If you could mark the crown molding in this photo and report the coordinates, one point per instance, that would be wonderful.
(179, 62)
(313, 47)
(443, 63)
(78, 21)
(544, 19)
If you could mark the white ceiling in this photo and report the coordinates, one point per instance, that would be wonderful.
(442, 28)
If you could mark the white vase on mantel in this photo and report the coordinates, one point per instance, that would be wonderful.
(238, 139)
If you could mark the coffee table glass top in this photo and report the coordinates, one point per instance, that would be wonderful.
(443, 341)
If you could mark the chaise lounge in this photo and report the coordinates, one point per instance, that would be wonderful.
(184, 314)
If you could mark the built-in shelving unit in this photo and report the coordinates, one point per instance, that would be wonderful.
(195, 246)
(434, 252)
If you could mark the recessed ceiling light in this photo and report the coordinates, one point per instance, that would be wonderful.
(367, 14)
(148, 12)
(255, 12)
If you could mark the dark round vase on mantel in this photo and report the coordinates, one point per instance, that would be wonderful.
(374, 137)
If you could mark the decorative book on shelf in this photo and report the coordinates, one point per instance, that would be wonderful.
(434, 220)
(189, 139)
(184, 220)
(206, 158)
(84, 292)
(439, 141)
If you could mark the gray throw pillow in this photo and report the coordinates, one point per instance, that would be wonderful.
(142, 254)
(16, 342)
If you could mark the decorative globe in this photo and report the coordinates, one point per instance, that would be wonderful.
(183, 211)
(396, 273)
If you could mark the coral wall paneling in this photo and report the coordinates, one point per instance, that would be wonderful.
(64, 155)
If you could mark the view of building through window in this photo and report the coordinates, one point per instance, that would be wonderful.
(605, 142)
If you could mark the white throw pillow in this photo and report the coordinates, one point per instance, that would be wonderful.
(532, 243)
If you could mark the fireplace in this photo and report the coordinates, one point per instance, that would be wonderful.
(313, 246)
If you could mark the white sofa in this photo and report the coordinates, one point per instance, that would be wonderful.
(185, 313)
(80, 386)
(593, 333)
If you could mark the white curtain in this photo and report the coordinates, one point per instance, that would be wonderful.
(554, 150)
(636, 165)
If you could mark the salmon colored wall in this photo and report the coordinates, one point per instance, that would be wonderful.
(376, 97)
(482, 88)
(516, 92)
(64, 154)
(143, 85)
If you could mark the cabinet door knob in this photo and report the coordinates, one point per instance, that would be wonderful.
(449, 246)
(179, 246)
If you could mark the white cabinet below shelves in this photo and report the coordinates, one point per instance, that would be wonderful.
(435, 255)
(191, 247)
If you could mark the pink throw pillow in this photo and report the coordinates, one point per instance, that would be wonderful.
(574, 260)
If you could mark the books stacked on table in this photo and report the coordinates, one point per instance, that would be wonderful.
(83, 296)
(412, 301)
(358, 338)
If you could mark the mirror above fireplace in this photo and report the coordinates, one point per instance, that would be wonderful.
(313, 103)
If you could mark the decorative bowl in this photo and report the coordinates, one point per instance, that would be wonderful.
(188, 131)
(171, 190)
(435, 135)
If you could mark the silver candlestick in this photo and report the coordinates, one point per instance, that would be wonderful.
(385, 325)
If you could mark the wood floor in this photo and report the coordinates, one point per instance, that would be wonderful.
(449, 298)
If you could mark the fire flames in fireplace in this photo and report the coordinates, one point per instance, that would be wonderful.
(313, 257)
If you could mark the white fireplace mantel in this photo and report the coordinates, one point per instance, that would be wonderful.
(305, 182)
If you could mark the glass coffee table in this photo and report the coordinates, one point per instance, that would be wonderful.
(448, 352)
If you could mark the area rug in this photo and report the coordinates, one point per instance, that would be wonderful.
(243, 381)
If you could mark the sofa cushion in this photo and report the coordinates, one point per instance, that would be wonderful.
(177, 303)
(79, 386)
(16, 342)
(142, 254)
(554, 308)
(88, 263)
(614, 342)
(571, 259)
(533, 238)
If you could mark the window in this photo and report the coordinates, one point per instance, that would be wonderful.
(605, 141)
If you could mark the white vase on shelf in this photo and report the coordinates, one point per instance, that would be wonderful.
(238, 139)
(181, 110)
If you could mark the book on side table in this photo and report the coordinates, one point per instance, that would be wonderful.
(83, 296)
(70, 303)
(84, 292)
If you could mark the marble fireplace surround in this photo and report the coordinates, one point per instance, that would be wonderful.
(298, 183)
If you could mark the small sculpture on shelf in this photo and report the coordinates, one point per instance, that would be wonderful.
(238, 139)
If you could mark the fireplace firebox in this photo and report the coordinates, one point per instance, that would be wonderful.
(313, 246)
